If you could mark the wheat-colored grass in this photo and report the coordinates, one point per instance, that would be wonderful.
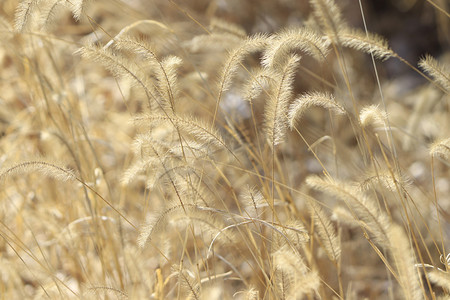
(220, 150)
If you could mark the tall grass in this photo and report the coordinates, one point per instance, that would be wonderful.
(164, 151)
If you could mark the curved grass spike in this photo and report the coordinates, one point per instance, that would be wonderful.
(57, 172)
(95, 290)
(188, 283)
(165, 69)
(329, 16)
(24, 14)
(372, 115)
(303, 102)
(438, 71)
(120, 66)
(258, 82)
(326, 232)
(126, 29)
(210, 220)
(266, 253)
(37, 14)
(292, 276)
(77, 7)
(289, 40)
(384, 178)
(49, 11)
(235, 58)
(362, 207)
(157, 220)
(276, 108)
(404, 261)
(441, 148)
(194, 127)
(222, 26)
(366, 42)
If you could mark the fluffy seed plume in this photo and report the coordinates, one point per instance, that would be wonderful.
(441, 149)
(258, 82)
(291, 276)
(362, 207)
(404, 261)
(77, 7)
(342, 215)
(372, 115)
(253, 201)
(287, 41)
(329, 17)
(251, 294)
(25, 15)
(276, 109)
(302, 103)
(37, 14)
(188, 125)
(164, 69)
(48, 169)
(222, 26)
(386, 179)
(235, 58)
(295, 232)
(440, 278)
(189, 284)
(325, 231)
(155, 223)
(438, 71)
(366, 42)
(120, 66)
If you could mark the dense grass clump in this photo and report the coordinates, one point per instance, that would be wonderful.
(223, 150)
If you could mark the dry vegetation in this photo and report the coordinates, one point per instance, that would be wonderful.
(220, 150)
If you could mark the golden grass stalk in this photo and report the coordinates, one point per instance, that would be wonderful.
(252, 294)
(366, 42)
(24, 14)
(235, 57)
(258, 82)
(189, 284)
(372, 115)
(386, 179)
(222, 26)
(38, 14)
(191, 126)
(303, 102)
(441, 148)
(120, 66)
(438, 71)
(361, 206)
(280, 94)
(403, 257)
(289, 40)
(253, 201)
(329, 17)
(326, 231)
(292, 277)
(46, 168)
(165, 69)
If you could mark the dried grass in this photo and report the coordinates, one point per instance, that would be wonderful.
(174, 155)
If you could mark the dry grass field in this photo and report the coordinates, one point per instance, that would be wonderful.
(225, 149)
